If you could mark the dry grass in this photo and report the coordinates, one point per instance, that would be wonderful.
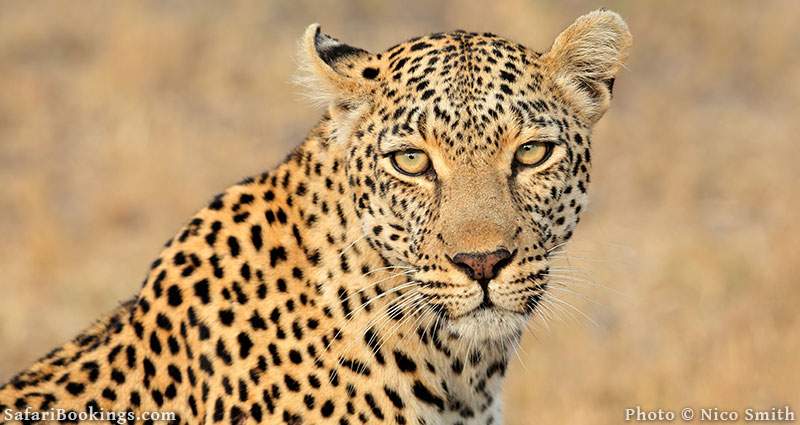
(117, 123)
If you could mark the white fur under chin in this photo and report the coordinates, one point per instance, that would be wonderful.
(488, 325)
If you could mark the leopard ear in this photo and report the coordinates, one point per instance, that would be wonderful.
(334, 73)
(585, 59)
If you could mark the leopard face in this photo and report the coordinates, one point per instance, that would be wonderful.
(468, 157)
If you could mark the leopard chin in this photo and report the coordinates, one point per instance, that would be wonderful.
(488, 324)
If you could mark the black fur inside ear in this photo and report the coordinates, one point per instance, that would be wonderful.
(331, 51)
(595, 90)
(610, 84)
(590, 89)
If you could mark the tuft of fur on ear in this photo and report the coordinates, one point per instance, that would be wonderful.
(585, 59)
(329, 70)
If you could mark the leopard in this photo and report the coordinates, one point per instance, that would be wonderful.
(384, 271)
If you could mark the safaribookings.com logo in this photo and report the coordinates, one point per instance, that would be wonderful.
(55, 414)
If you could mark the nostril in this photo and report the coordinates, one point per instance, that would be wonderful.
(503, 259)
(467, 264)
(483, 265)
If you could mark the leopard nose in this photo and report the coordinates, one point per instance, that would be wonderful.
(482, 266)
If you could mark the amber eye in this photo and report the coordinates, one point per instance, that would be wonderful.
(533, 153)
(412, 162)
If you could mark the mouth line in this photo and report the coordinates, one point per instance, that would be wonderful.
(538, 290)
(494, 308)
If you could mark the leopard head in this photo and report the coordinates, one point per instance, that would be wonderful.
(468, 157)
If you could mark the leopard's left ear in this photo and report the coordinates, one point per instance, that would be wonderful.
(333, 73)
(585, 59)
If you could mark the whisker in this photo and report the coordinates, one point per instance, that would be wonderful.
(348, 316)
(387, 268)
(345, 352)
(553, 248)
(351, 244)
(577, 310)
(558, 286)
(415, 306)
(372, 285)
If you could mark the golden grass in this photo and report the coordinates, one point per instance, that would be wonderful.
(117, 123)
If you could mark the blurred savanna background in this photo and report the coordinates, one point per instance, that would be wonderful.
(119, 120)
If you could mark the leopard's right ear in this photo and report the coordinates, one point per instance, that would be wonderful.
(333, 73)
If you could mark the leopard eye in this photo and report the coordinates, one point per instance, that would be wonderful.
(412, 162)
(533, 153)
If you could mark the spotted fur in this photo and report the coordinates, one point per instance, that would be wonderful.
(325, 290)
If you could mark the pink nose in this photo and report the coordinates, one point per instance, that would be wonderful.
(482, 265)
